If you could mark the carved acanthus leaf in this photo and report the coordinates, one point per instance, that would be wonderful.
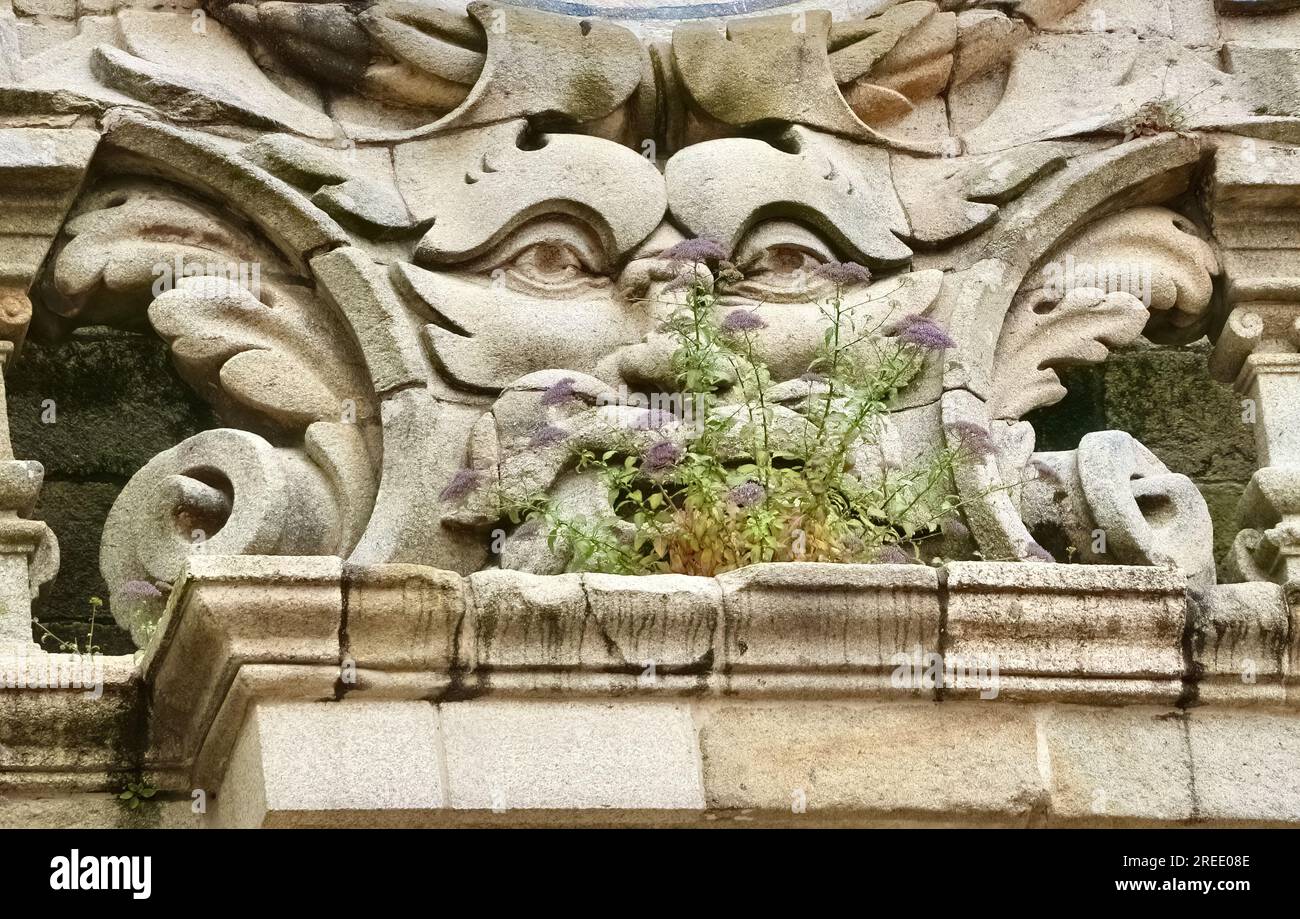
(947, 199)
(1142, 271)
(1155, 254)
(885, 63)
(246, 332)
(277, 359)
(130, 240)
(423, 55)
(1079, 329)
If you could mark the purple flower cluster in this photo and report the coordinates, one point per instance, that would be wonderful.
(738, 321)
(843, 274)
(559, 392)
(461, 485)
(547, 435)
(924, 333)
(973, 438)
(661, 456)
(680, 281)
(894, 555)
(699, 249)
(139, 590)
(747, 494)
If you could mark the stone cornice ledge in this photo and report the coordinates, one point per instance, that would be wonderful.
(246, 629)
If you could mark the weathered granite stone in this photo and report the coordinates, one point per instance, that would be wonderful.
(778, 617)
(330, 764)
(872, 760)
(522, 756)
(1033, 619)
(426, 261)
(1241, 762)
(1102, 764)
(1241, 643)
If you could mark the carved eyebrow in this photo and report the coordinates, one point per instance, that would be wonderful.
(842, 190)
(477, 186)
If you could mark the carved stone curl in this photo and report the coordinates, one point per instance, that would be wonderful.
(1112, 501)
(220, 492)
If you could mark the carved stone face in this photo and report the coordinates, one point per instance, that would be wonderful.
(474, 210)
(543, 259)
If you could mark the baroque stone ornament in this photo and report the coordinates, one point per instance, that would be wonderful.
(417, 254)
(374, 305)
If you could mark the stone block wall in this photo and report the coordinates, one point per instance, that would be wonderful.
(93, 410)
(1166, 399)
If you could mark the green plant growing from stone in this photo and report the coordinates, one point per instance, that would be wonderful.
(1164, 114)
(136, 794)
(755, 480)
(73, 646)
(143, 603)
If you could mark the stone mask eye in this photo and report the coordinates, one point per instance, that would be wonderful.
(552, 257)
(778, 260)
(783, 267)
(550, 263)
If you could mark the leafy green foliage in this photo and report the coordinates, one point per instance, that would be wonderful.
(741, 488)
(72, 646)
(136, 794)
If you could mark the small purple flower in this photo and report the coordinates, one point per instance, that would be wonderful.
(955, 529)
(894, 555)
(653, 419)
(742, 321)
(460, 486)
(547, 435)
(699, 249)
(924, 333)
(139, 590)
(1035, 551)
(663, 455)
(747, 495)
(559, 392)
(1044, 472)
(680, 281)
(973, 438)
(843, 274)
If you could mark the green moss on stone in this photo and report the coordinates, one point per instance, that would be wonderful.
(1166, 399)
(1222, 498)
(76, 512)
(117, 403)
